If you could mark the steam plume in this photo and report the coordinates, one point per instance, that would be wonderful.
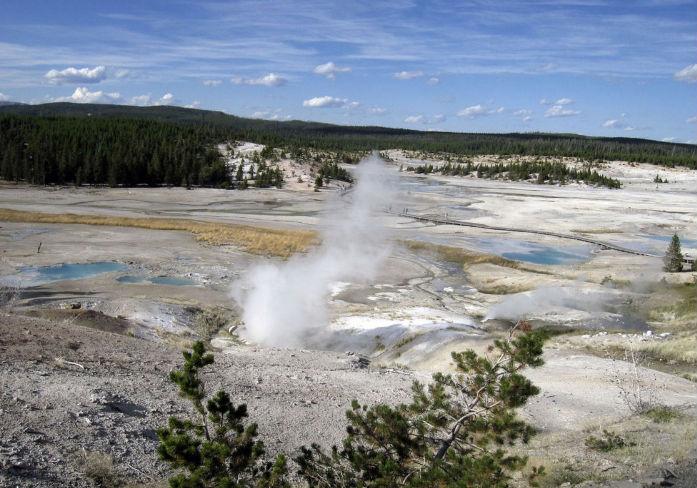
(549, 298)
(283, 302)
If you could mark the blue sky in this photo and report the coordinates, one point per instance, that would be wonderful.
(598, 67)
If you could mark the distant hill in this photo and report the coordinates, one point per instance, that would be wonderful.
(5, 103)
(350, 138)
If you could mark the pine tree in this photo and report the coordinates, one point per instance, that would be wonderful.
(672, 261)
(452, 434)
(216, 449)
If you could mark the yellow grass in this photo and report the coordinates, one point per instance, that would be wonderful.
(255, 240)
(461, 256)
(682, 348)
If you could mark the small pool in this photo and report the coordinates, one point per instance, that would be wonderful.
(545, 256)
(155, 280)
(40, 275)
(533, 252)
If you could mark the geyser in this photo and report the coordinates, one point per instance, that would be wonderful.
(285, 302)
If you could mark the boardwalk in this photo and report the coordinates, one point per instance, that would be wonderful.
(446, 221)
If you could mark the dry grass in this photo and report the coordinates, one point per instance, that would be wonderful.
(255, 240)
(649, 444)
(99, 467)
(682, 349)
(467, 258)
(461, 256)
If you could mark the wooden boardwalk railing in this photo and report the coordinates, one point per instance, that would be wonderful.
(446, 221)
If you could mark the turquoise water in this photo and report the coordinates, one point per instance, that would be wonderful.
(39, 275)
(533, 252)
(546, 255)
(156, 280)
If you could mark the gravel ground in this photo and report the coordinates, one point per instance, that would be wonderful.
(51, 409)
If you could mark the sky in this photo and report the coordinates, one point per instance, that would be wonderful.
(595, 67)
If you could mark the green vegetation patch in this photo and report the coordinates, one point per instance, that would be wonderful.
(608, 441)
(662, 414)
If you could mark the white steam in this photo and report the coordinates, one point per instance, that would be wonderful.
(548, 299)
(285, 302)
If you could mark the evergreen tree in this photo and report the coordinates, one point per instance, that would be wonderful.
(452, 434)
(216, 449)
(672, 261)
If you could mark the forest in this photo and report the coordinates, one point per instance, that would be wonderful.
(541, 171)
(109, 151)
(125, 145)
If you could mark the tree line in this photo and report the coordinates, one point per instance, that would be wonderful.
(541, 171)
(336, 138)
(111, 151)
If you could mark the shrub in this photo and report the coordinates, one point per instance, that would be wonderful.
(99, 467)
(609, 441)
(217, 448)
(662, 414)
(209, 321)
(452, 434)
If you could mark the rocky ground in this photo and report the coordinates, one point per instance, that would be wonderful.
(69, 390)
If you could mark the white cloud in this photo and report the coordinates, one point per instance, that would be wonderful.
(3, 97)
(691, 120)
(408, 75)
(83, 95)
(211, 82)
(75, 75)
(687, 74)
(270, 115)
(630, 128)
(167, 99)
(377, 110)
(613, 123)
(147, 100)
(122, 73)
(473, 111)
(272, 79)
(327, 102)
(433, 80)
(330, 70)
(524, 114)
(194, 104)
(415, 119)
(560, 111)
(422, 119)
(561, 101)
(668, 139)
